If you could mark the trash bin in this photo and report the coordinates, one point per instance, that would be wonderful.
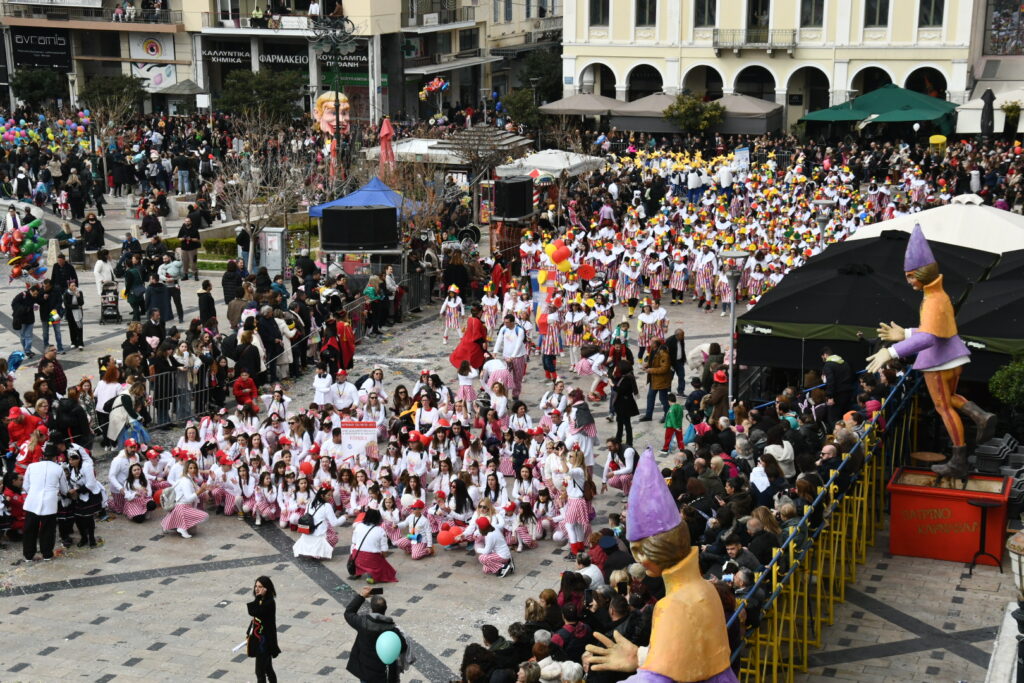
(76, 251)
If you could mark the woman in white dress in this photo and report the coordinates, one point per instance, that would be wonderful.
(320, 541)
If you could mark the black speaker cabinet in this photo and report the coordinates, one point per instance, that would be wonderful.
(359, 228)
(513, 197)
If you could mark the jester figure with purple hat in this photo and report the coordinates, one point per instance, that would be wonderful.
(689, 642)
(941, 354)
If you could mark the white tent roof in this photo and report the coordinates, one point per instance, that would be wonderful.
(968, 115)
(418, 149)
(552, 161)
(966, 223)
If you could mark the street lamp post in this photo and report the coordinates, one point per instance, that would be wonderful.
(1015, 546)
(825, 207)
(733, 259)
(484, 94)
(533, 85)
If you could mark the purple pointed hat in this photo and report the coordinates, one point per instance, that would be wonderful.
(652, 510)
(919, 254)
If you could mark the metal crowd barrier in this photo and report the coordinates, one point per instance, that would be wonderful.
(804, 581)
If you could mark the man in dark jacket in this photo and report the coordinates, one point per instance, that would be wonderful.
(51, 300)
(62, 273)
(363, 662)
(9, 398)
(154, 327)
(158, 297)
(616, 559)
(270, 335)
(838, 379)
(676, 345)
(189, 236)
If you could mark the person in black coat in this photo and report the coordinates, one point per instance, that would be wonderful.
(363, 662)
(270, 335)
(207, 305)
(247, 356)
(231, 282)
(625, 407)
(261, 636)
(158, 296)
(71, 421)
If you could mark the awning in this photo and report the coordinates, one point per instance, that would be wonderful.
(182, 88)
(515, 50)
(553, 161)
(451, 66)
(581, 105)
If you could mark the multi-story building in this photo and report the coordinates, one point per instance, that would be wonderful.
(803, 54)
(191, 46)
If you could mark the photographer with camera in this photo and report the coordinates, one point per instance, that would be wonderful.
(363, 662)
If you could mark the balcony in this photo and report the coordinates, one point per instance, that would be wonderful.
(223, 23)
(439, 20)
(91, 18)
(440, 63)
(754, 39)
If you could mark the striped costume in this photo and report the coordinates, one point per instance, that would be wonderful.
(183, 516)
(491, 317)
(677, 280)
(551, 343)
(451, 311)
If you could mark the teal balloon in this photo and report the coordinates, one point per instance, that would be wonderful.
(389, 646)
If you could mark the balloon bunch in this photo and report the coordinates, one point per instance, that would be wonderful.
(559, 254)
(436, 85)
(25, 248)
(69, 131)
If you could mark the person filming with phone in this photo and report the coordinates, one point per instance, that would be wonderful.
(365, 661)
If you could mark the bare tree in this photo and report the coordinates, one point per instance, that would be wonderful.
(266, 180)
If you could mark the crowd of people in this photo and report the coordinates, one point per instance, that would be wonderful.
(462, 459)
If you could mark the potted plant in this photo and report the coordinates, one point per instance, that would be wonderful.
(1012, 111)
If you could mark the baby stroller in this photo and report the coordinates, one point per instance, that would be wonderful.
(108, 304)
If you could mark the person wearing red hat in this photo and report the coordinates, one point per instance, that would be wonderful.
(719, 395)
(322, 537)
(418, 541)
(20, 425)
(244, 388)
(493, 553)
(223, 483)
(187, 492)
(118, 473)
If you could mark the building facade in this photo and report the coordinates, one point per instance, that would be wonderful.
(188, 47)
(803, 54)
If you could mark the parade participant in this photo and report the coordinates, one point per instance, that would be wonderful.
(321, 538)
(473, 345)
(512, 344)
(369, 550)
(187, 491)
(493, 552)
(418, 541)
(451, 312)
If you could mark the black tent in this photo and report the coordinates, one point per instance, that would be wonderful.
(1010, 266)
(847, 289)
(960, 266)
(991, 322)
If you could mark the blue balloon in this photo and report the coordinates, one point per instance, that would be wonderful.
(42, 117)
(494, 95)
(86, 112)
(388, 646)
(498, 107)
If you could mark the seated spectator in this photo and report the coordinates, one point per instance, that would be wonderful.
(574, 635)
(762, 543)
(740, 555)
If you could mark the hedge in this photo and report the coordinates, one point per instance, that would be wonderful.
(221, 247)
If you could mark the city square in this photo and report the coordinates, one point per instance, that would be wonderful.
(507, 341)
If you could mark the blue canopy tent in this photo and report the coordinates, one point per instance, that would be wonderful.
(373, 193)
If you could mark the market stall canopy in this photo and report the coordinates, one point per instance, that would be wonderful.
(553, 161)
(745, 115)
(449, 151)
(580, 105)
(373, 193)
(650, 106)
(885, 104)
(181, 88)
(963, 223)
(968, 115)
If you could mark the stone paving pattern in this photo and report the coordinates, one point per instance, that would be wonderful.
(155, 607)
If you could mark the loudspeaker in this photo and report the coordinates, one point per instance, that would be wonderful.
(359, 228)
(513, 197)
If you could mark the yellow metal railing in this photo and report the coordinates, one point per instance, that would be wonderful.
(804, 581)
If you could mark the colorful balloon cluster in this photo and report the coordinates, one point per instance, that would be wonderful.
(559, 254)
(25, 248)
(436, 85)
(69, 131)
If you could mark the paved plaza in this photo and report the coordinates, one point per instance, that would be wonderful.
(156, 607)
